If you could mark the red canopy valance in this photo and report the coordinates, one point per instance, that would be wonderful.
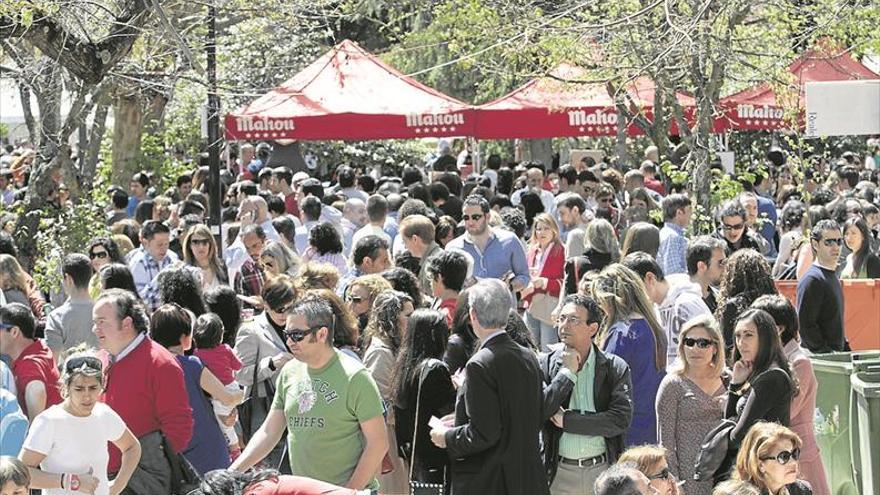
(760, 108)
(350, 94)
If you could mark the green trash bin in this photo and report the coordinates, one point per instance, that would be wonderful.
(866, 391)
(834, 424)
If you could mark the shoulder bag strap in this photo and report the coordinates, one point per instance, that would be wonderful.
(425, 365)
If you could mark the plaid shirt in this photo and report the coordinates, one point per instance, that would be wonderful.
(144, 269)
(249, 281)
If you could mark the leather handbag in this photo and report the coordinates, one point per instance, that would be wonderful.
(542, 306)
(419, 487)
(184, 477)
(713, 450)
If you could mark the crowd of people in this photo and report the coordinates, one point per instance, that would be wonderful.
(527, 330)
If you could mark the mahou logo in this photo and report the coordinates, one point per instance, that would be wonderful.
(436, 119)
(763, 112)
(263, 124)
(578, 118)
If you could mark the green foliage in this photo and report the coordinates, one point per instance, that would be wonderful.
(65, 231)
(4, 131)
(391, 155)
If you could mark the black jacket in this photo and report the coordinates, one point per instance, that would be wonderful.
(576, 267)
(495, 447)
(438, 399)
(612, 394)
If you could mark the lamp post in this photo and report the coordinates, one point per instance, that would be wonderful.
(213, 126)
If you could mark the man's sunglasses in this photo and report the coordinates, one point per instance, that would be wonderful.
(833, 242)
(701, 343)
(98, 254)
(300, 335)
(79, 363)
(738, 226)
(785, 456)
(475, 217)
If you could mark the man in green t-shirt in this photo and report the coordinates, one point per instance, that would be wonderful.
(328, 402)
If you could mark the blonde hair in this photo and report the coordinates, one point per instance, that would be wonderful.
(13, 276)
(736, 487)
(645, 457)
(374, 283)
(123, 243)
(550, 223)
(316, 275)
(708, 322)
(757, 444)
(599, 235)
(622, 293)
(288, 261)
(13, 470)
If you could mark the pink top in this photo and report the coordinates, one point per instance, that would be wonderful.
(803, 408)
(221, 360)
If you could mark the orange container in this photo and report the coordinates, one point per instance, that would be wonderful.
(861, 318)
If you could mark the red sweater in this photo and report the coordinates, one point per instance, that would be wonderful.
(36, 362)
(147, 390)
(553, 271)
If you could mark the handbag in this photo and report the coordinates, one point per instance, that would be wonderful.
(419, 487)
(246, 408)
(184, 477)
(713, 450)
(542, 306)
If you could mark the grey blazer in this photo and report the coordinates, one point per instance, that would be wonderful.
(257, 334)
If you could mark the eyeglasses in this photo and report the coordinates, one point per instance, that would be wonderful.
(282, 309)
(6, 326)
(354, 299)
(833, 242)
(563, 319)
(200, 242)
(475, 217)
(701, 343)
(299, 335)
(785, 456)
(662, 475)
(98, 254)
(728, 227)
(80, 362)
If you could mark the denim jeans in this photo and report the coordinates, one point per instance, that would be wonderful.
(544, 334)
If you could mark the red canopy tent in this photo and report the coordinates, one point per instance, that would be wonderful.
(759, 108)
(350, 94)
(553, 106)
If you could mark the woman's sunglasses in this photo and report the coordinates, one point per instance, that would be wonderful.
(200, 242)
(98, 254)
(80, 362)
(785, 456)
(662, 475)
(701, 343)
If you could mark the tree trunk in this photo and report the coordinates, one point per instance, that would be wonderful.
(128, 122)
(540, 150)
(92, 154)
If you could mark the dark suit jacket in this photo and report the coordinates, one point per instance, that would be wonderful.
(494, 446)
(612, 395)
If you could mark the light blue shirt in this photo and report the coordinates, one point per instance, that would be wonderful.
(672, 254)
(504, 254)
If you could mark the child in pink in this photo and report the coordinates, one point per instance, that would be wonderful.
(222, 361)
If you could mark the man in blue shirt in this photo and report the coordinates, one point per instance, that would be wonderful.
(146, 263)
(496, 253)
(140, 182)
(677, 211)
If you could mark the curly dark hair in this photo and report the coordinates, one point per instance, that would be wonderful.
(325, 239)
(109, 246)
(181, 286)
(746, 278)
(515, 221)
(404, 281)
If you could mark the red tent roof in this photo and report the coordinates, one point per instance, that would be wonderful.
(557, 106)
(757, 108)
(349, 93)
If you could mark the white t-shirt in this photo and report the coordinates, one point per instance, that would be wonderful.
(73, 444)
